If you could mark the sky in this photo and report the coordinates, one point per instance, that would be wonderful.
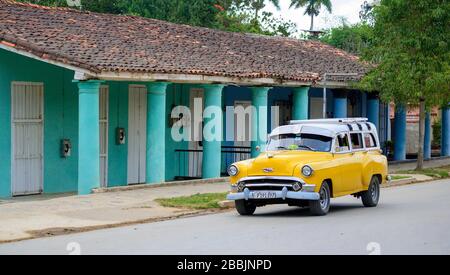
(341, 8)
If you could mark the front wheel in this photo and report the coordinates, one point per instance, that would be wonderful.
(322, 206)
(245, 208)
(371, 197)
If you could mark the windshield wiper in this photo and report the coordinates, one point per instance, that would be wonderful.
(282, 148)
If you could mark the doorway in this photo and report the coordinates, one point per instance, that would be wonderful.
(27, 122)
(137, 134)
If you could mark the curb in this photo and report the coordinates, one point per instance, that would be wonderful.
(226, 204)
(403, 182)
(158, 185)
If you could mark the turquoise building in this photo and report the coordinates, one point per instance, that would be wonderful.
(86, 99)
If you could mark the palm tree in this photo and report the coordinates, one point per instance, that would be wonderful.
(312, 7)
(257, 5)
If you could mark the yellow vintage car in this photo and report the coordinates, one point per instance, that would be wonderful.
(309, 162)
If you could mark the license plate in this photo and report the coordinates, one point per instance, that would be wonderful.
(264, 195)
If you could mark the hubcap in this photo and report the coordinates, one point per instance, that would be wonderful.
(323, 198)
(374, 191)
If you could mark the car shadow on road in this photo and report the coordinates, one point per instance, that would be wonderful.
(296, 212)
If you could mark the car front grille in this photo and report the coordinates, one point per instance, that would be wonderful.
(269, 184)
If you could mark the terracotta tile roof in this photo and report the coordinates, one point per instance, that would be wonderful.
(115, 43)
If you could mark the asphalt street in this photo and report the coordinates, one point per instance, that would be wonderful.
(413, 219)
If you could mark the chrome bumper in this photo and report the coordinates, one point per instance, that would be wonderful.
(284, 194)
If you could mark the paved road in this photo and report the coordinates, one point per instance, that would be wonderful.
(412, 219)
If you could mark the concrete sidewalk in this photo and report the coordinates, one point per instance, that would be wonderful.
(38, 216)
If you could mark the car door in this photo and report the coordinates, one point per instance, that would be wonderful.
(371, 145)
(358, 160)
(346, 162)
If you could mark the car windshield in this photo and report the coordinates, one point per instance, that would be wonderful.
(293, 142)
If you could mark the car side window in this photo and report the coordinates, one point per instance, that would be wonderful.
(357, 142)
(370, 141)
(342, 144)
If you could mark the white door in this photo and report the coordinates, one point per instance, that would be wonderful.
(27, 117)
(104, 110)
(243, 127)
(196, 156)
(137, 132)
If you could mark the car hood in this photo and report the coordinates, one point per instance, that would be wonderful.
(283, 163)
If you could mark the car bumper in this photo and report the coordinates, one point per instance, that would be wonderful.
(284, 194)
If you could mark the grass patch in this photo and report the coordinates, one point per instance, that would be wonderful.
(198, 201)
(438, 173)
(400, 177)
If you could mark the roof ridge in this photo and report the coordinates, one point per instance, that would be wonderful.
(256, 35)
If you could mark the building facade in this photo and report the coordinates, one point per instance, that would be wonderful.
(87, 100)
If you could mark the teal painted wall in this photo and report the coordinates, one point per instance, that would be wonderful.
(118, 118)
(177, 95)
(60, 114)
(61, 122)
(5, 120)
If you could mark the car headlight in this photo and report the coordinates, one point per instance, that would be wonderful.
(307, 171)
(233, 171)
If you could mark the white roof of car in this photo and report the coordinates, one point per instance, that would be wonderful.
(325, 127)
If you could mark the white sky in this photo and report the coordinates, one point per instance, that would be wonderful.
(341, 8)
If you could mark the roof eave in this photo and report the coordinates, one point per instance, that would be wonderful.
(49, 61)
(84, 74)
(334, 84)
(199, 79)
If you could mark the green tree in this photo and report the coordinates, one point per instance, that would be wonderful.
(191, 12)
(256, 6)
(355, 39)
(312, 7)
(412, 55)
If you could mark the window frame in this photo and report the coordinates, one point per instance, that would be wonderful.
(362, 141)
(377, 142)
(335, 143)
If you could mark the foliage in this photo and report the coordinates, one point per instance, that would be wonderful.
(396, 177)
(198, 201)
(256, 6)
(355, 39)
(437, 173)
(313, 7)
(240, 19)
(366, 13)
(412, 52)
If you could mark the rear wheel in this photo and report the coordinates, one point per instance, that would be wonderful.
(371, 197)
(322, 206)
(245, 208)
